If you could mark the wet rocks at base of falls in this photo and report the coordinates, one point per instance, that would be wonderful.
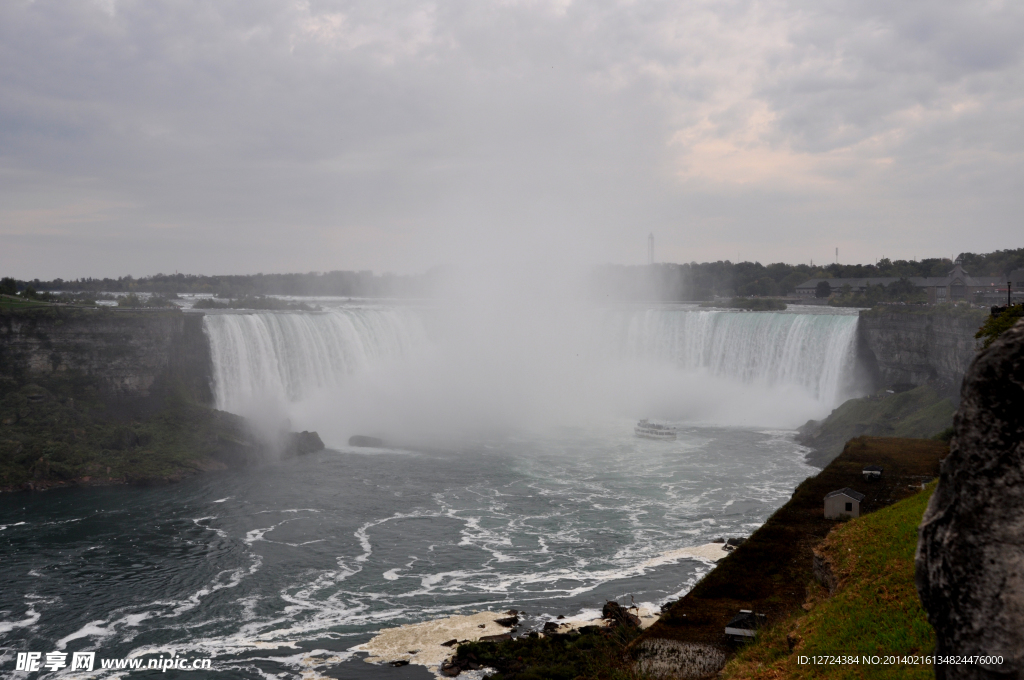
(730, 544)
(970, 556)
(510, 621)
(366, 442)
(301, 443)
(456, 665)
(618, 615)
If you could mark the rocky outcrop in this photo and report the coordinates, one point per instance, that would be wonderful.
(921, 412)
(912, 346)
(101, 396)
(970, 558)
(121, 353)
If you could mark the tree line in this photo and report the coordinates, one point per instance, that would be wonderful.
(333, 284)
(658, 282)
(708, 280)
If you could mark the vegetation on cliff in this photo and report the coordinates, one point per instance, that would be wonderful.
(874, 608)
(114, 396)
(996, 325)
(919, 412)
(769, 572)
(49, 439)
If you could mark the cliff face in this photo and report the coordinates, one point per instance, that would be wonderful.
(120, 354)
(970, 556)
(915, 347)
(101, 396)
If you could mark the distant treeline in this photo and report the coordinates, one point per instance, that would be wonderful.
(666, 282)
(337, 283)
(707, 280)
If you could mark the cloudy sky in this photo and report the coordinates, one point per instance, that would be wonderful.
(235, 136)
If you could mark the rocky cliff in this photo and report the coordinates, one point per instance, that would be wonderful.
(121, 354)
(970, 556)
(103, 396)
(911, 347)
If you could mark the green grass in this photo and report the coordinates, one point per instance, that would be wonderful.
(920, 412)
(11, 302)
(875, 609)
(59, 440)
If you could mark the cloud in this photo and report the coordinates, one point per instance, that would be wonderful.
(295, 135)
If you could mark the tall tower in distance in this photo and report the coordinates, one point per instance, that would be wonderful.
(650, 248)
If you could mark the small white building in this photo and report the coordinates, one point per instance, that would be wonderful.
(843, 503)
(872, 472)
(743, 627)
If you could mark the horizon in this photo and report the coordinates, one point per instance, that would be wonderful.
(448, 267)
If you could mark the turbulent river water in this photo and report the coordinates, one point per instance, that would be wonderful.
(280, 571)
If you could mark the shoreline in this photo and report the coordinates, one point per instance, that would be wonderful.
(435, 642)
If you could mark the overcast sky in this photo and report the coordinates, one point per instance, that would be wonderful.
(236, 136)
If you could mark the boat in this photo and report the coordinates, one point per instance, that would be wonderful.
(650, 430)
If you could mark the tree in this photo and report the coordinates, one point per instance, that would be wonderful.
(823, 289)
(8, 286)
(995, 326)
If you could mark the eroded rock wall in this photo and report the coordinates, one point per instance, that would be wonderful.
(124, 354)
(970, 556)
(914, 347)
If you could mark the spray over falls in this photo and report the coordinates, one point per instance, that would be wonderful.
(385, 368)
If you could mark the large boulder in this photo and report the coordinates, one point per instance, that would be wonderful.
(970, 556)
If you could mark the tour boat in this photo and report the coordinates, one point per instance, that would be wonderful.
(651, 430)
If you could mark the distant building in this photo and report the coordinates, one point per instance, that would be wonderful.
(872, 472)
(843, 503)
(743, 627)
(956, 286)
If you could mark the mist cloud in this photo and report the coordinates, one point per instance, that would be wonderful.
(143, 136)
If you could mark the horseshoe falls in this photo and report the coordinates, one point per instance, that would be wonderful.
(425, 374)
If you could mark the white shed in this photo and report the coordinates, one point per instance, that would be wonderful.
(843, 503)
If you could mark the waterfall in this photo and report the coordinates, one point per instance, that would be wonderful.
(291, 354)
(378, 370)
(813, 351)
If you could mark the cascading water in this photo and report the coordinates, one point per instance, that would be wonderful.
(350, 370)
(813, 351)
(289, 355)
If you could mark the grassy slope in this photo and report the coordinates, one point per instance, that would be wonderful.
(920, 412)
(875, 608)
(11, 302)
(769, 572)
(56, 440)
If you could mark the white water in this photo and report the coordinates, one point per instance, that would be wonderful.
(810, 351)
(377, 370)
(286, 356)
